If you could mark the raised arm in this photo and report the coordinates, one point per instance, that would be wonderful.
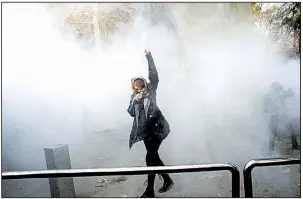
(152, 70)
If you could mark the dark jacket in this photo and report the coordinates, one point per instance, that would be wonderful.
(155, 123)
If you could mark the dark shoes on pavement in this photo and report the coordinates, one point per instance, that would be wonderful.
(148, 194)
(166, 186)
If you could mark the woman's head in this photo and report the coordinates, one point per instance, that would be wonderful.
(138, 84)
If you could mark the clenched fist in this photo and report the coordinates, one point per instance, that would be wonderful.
(146, 51)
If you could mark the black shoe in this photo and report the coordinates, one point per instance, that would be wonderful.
(148, 194)
(166, 186)
(296, 146)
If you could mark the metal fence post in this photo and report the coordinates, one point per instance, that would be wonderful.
(235, 174)
(262, 163)
(57, 157)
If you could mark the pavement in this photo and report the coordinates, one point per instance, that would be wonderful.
(93, 152)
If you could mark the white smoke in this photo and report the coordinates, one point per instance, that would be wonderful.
(52, 88)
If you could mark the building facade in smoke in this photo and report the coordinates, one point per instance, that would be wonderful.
(95, 22)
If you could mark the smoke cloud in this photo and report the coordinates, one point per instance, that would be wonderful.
(55, 92)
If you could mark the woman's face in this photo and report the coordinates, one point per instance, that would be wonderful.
(139, 85)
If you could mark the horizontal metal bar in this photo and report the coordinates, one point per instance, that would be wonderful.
(129, 171)
(271, 162)
(262, 163)
(112, 171)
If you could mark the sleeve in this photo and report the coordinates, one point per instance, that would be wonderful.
(131, 107)
(152, 72)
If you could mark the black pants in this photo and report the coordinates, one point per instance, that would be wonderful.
(152, 145)
(274, 121)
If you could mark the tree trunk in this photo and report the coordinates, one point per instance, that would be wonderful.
(297, 41)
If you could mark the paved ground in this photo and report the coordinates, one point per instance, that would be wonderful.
(93, 152)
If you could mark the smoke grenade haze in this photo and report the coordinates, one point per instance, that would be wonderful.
(55, 92)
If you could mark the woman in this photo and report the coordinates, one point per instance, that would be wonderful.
(149, 123)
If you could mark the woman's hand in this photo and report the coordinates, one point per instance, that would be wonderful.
(137, 97)
(146, 51)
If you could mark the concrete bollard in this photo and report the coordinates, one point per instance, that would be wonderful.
(57, 157)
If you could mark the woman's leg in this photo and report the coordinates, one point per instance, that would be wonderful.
(153, 159)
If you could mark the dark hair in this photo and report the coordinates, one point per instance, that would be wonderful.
(141, 82)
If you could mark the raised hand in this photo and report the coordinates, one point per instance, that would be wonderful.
(146, 51)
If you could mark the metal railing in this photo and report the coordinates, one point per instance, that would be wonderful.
(262, 163)
(130, 171)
